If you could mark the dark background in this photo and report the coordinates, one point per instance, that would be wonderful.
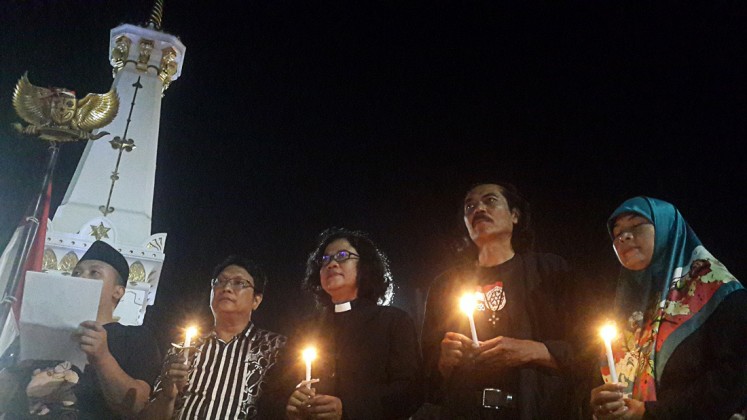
(294, 116)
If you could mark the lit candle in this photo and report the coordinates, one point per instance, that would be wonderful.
(609, 332)
(191, 332)
(467, 303)
(309, 354)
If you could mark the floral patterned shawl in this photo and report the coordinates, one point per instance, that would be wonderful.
(660, 306)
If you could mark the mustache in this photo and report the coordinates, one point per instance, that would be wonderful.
(481, 217)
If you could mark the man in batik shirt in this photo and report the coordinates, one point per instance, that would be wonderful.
(226, 370)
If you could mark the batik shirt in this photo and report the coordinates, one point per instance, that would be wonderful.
(226, 379)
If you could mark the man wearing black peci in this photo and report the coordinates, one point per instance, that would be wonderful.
(123, 361)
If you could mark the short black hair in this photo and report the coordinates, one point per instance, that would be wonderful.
(522, 239)
(374, 276)
(259, 276)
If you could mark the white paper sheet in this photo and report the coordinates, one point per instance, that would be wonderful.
(53, 306)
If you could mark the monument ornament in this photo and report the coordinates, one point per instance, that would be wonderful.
(56, 115)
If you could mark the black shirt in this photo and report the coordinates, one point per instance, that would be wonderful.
(523, 298)
(136, 352)
(706, 376)
(367, 357)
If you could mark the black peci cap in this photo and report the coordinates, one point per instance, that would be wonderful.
(102, 251)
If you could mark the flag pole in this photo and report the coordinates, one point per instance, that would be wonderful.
(49, 121)
(30, 229)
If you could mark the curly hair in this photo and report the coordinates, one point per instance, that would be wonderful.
(522, 238)
(374, 277)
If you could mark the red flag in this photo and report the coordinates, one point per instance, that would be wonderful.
(36, 253)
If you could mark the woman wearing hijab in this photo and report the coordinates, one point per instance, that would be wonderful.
(683, 348)
(368, 362)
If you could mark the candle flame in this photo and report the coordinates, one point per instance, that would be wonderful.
(468, 303)
(608, 332)
(309, 354)
(191, 332)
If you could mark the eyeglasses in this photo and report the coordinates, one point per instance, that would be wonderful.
(635, 231)
(236, 283)
(338, 256)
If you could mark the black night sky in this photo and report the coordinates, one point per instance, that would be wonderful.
(293, 116)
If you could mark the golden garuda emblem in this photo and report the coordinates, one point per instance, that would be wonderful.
(54, 114)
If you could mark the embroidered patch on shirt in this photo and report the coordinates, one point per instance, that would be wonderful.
(493, 297)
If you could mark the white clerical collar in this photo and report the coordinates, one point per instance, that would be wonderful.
(343, 307)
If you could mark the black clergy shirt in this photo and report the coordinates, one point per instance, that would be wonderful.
(367, 356)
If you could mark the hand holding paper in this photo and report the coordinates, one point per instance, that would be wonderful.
(53, 307)
(92, 338)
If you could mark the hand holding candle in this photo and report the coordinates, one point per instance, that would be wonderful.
(608, 332)
(309, 354)
(467, 304)
(191, 332)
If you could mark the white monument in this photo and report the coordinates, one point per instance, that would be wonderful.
(111, 194)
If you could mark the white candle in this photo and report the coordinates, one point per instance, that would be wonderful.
(191, 332)
(467, 303)
(309, 354)
(608, 333)
(475, 343)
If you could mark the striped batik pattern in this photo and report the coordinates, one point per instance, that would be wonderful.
(227, 378)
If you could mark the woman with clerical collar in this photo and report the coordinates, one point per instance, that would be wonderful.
(368, 363)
